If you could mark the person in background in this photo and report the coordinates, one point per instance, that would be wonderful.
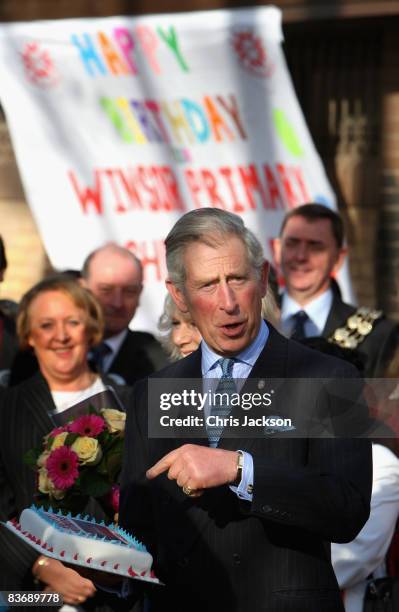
(115, 277)
(178, 333)
(355, 561)
(8, 339)
(60, 321)
(309, 252)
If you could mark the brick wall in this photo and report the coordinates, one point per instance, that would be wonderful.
(388, 223)
(25, 253)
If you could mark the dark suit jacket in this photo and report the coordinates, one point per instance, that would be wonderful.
(378, 347)
(139, 355)
(219, 553)
(24, 421)
(8, 341)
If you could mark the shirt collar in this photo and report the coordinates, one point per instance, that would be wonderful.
(317, 310)
(249, 355)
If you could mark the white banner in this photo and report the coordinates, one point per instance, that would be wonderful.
(120, 125)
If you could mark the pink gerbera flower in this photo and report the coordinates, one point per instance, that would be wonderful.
(87, 425)
(62, 467)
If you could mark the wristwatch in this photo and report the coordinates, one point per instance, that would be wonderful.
(240, 468)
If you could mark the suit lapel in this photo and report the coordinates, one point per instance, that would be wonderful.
(339, 312)
(191, 369)
(39, 402)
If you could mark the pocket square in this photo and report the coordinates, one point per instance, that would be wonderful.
(277, 424)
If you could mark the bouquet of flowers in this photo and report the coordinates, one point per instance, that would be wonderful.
(80, 459)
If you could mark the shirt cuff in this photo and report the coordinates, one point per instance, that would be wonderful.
(245, 488)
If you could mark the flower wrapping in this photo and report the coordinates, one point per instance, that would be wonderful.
(79, 460)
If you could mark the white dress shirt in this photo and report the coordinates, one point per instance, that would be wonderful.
(243, 364)
(317, 311)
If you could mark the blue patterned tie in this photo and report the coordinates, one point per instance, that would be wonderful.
(226, 387)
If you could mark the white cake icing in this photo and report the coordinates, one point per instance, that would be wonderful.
(82, 541)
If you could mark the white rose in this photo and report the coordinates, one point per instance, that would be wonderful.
(59, 440)
(88, 450)
(46, 485)
(115, 419)
(41, 461)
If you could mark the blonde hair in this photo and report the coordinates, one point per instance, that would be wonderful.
(81, 297)
(165, 326)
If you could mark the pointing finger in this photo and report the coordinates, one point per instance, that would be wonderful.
(162, 465)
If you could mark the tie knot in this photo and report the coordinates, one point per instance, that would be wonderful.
(227, 366)
(298, 330)
(102, 349)
(300, 316)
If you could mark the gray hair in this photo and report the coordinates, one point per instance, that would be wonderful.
(203, 225)
(112, 247)
(165, 327)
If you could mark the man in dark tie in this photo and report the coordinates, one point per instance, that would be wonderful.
(115, 276)
(239, 524)
(310, 252)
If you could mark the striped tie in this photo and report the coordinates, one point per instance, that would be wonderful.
(225, 388)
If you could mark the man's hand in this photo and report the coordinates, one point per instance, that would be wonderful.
(197, 467)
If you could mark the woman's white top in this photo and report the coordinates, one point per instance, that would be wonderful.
(365, 555)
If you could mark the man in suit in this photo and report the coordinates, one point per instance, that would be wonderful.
(115, 276)
(310, 252)
(240, 524)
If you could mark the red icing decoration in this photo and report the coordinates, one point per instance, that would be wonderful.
(89, 560)
(131, 571)
(62, 553)
(103, 563)
(116, 566)
(76, 557)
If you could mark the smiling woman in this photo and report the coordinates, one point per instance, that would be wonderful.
(60, 321)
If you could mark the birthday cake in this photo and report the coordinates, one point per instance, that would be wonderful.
(83, 541)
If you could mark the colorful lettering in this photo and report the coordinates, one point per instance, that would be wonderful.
(197, 119)
(116, 119)
(91, 60)
(178, 121)
(216, 120)
(171, 40)
(149, 43)
(126, 43)
(232, 110)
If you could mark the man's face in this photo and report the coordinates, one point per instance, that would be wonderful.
(116, 282)
(308, 256)
(222, 294)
